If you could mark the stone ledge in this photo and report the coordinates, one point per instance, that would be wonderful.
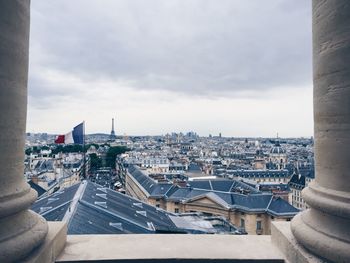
(52, 246)
(282, 237)
(169, 248)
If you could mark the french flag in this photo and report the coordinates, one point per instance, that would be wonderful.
(76, 136)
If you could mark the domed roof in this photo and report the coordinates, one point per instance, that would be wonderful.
(277, 149)
(259, 152)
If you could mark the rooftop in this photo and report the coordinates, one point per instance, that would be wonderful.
(89, 208)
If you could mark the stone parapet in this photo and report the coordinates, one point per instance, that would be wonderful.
(284, 240)
(169, 248)
(52, 246)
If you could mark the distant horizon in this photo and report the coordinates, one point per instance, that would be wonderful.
(202, 136)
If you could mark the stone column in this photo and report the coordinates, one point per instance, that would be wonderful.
(324, 229)
(20, 229)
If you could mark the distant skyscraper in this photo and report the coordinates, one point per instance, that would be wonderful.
(112, 136)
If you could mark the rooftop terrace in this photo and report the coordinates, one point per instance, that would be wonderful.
(318, 234)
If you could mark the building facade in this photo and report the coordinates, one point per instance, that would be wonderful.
(243, 205)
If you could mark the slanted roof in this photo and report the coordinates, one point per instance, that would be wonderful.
(222, 185)
(252, 202)
(161, 189)
(180, 193)
(200, 184)
(146, 182)
(92, 221)
(280, 207)
(54, 206)
(37, 188)
(211, 196)
(152, 187)
(297, 181)
(259, 202)
(89, 208)
(232, 194)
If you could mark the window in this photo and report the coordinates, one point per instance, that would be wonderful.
(258, 225)
(157, 205)
(176, 210)
(242, 223)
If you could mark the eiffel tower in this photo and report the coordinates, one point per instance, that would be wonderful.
(112, 135)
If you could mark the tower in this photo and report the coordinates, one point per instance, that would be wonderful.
(112, 136)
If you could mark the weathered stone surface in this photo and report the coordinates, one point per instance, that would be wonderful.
(52, 245)
(324, 229)
(20, 229)
(282, 237)
(96, 248)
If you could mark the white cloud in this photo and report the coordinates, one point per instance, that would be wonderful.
(242, 68)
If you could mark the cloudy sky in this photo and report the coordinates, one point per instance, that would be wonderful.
(242, 68)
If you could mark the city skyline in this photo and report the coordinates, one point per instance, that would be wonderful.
(159, 67)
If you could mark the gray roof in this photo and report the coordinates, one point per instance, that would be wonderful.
(89, 208)
(259, 203)
(37, 188)
(236, 194)
(100, 210)
(222, 185)
(148, 184)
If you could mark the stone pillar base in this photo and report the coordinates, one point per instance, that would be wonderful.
(282, 237)
(52, 246)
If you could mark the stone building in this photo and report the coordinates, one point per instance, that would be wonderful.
(241, 204)
(299, 180)
(278, 156)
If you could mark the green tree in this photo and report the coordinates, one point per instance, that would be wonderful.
(112, 154)
(28, 151)
(95, 161)
(36, 149)
(70, 148)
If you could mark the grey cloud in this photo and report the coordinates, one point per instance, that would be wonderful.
(196, 47)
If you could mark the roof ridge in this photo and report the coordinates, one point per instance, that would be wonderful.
(54, 208)
(211, 186)
(76, 198)
(267, 208)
